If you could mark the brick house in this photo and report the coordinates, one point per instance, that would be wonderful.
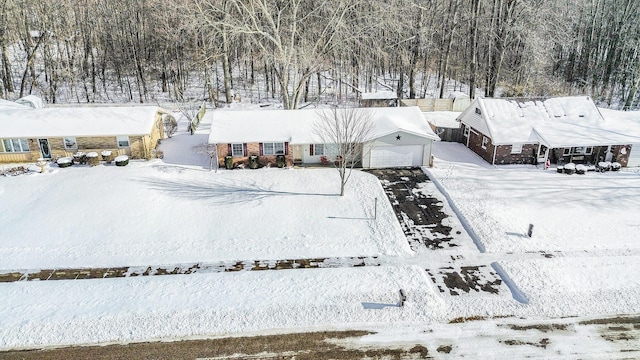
(28, 134)
(561, 130)
(400, 137)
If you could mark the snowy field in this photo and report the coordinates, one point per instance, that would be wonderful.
(595, 212)
(582, 260)
(152, 213)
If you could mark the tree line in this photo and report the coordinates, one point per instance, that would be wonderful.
(300, 51)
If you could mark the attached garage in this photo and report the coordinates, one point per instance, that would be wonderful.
(634, 156)
(396, 156)
(400, 148)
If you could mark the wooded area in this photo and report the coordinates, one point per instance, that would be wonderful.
(299, 51)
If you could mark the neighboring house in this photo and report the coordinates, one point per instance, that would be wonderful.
(444, 124)
(27, 134)
(561, 130)
(379, 99)
(400, 137)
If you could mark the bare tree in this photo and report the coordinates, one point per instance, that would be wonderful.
(344, 131)
(211, 150)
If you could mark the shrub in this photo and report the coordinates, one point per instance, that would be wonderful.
(253, 161)
(228, 162)
(64, 162)
(122, 160)
(280, 161)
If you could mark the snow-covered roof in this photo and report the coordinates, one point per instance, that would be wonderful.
(380, 95)
(443, 119)
(297, 126)
(458, 94)
(77, 121)
(6, 104)
(31, 101)
(555, 122)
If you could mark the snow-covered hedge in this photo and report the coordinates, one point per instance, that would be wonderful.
(122, 160)
(570, 168)
(64, 162)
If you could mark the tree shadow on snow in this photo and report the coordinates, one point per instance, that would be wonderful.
(219, 191)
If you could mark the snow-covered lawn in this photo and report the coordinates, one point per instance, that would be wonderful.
(151, 213)
(144, 308)
(597, 212)
(581, 261)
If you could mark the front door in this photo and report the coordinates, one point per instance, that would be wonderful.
(297, 153)
(543, 153)
(45, 150)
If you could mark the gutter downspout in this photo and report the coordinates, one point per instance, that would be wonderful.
(495, 149)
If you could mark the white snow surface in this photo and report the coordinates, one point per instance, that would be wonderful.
(445, 119)
(84, 218)
(76, 121)
(175, 211)
(298, 126)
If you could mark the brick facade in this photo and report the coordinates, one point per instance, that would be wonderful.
(253, 149)
(528, 155)
(475, 144)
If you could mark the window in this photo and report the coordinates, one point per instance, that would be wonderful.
(516, 148)
(318, 149)
(582, 150)
(70, 143)
(466, 131)
(485, 141)
(478, 111)
(237, 150)
(123, 140)
(273, 148)
(578, 150)
(14, 145)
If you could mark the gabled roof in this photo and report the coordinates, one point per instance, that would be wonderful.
(555, 122)
(77, 121)
(297, 126)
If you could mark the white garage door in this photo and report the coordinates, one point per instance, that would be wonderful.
(634, 156)
(396, 156)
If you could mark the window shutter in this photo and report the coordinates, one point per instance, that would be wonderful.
(229, 150)
(261, 149)
(311, 149)
(286, 148)
(244, 149)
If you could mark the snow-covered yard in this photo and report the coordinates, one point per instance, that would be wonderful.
(591, 212)
(581, 261)
(152, 213)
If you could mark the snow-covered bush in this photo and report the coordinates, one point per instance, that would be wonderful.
(93, 159)
(106, 156)
(64, 162)
(581, 169)
(560, 169)
(570, 168)
(253, 162)
(122, 160)
(616, 166)
(228, 162)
